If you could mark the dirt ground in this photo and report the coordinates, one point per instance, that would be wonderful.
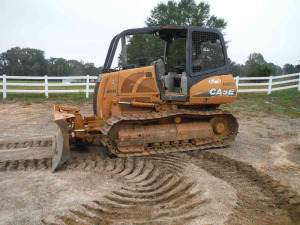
(254, 181)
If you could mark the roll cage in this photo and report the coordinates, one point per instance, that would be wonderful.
(166, 33)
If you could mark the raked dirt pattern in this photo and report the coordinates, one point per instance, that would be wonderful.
(255, 181)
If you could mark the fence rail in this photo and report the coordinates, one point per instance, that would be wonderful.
(264, 84)
(268, 84)
(43, 81)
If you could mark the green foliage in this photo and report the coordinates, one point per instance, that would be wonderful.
(237, 69)
(17, 61)
(144, 45)
(255, 66)
(177, 53)
(183, 12)
(255, 59)
(260, 71)
(290, 68)
(277, 69)
(31, 62)
(91, 69)
(58, 67)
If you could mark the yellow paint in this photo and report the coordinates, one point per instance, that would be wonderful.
(214, 90)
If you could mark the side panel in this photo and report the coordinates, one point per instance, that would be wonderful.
(110, 95)
(138, 82)
(107, 93)
(125, 86)
(137, 85)
(214, 90)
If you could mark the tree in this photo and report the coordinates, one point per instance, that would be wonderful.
(31, 62)
(23, 62)
(10, 62)
(261, 71)
(2, 66)
(58, 67)
(289, 68)
(277, 69)
(144, 45)
(298, 67)
(183, 12)
(254, 60)
(76, 68)
(237, 69)
(90, 69)
(256, 66)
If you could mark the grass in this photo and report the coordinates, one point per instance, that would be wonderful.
(59, 98)
(283, 102)
(49, 88)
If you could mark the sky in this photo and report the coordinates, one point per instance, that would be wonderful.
(83, 29)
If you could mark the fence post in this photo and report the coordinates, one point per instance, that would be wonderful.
(87, 86)
(299, 83)
(237, 83)
(4, 86)
(270, 85)
(46, 86)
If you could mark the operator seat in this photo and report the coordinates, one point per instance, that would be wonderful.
(160, 71)
(160, 68)
(198, 64)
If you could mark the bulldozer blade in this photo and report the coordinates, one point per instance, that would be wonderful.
(60, 145)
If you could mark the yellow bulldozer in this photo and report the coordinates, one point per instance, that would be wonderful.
(170, 104)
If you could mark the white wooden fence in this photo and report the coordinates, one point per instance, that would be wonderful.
(45, 82)
(268, 84)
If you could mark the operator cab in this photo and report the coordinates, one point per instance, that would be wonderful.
(181, 55)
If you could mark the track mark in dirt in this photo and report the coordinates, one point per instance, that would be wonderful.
(152, 192)
(283, 161)
(160, 190)
(260, 198)
(27, 164)
(44, 142)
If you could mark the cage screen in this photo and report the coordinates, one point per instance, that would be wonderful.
(207, 51)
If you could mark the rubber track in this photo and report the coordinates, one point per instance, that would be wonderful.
(154, 116)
